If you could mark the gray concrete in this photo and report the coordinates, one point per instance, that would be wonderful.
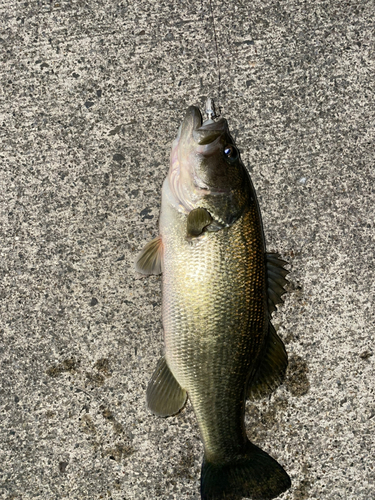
(92, 94)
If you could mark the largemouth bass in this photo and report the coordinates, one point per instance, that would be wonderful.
(219, 290)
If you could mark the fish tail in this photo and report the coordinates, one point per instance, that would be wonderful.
(253, 475)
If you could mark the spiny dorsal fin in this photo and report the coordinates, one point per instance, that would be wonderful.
(275, 280)
(272, 367)
(197, 220)
(165, 396)
(150, 259)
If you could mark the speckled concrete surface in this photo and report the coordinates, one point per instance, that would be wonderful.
(92, 94)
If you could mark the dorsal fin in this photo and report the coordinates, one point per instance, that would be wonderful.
(150, 259)
(275, 280)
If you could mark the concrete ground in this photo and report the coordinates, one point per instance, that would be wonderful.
(92, 94)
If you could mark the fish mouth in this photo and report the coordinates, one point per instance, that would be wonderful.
(203, 133)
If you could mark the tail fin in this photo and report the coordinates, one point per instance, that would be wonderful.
(253, 475)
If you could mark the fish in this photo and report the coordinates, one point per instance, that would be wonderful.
(219, 289)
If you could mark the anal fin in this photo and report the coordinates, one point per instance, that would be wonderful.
(150, 259)
(272, 366)
(165, 396)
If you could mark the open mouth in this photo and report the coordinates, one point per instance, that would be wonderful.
(203, 132)
(209, 132)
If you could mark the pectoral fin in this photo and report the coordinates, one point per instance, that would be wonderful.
(165, 396)
(272, 367)
(197, 220)
(150, 259)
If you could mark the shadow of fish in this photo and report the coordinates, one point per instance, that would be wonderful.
(219, 290)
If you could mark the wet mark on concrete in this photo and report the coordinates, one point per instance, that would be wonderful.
(302, 490)
(108, 448)
(185, 466)
(102, 365)
(63, 466)
(68, 365)
(119, 452)
(108, 415)
(95, 379)
(87, 425)
(98, 379)
(296, 380)
(118, 428)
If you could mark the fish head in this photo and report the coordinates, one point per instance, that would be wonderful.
(206, 169)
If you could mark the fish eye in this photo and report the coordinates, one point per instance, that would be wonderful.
(230, 153)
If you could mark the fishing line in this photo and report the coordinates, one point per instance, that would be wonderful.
(217, 60)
